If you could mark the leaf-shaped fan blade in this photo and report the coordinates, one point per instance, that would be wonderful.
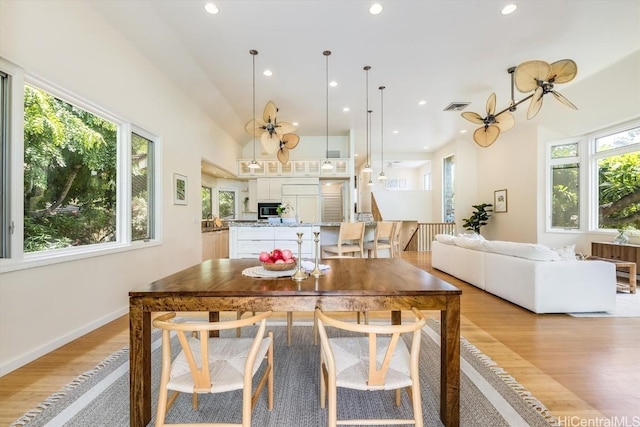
(491, 104)
(290, 140)
(270, 143)
(473, 117)
(485, 136)
(270, 111)
(249, 127)
(505, 121)
(283, 128)
(528, 73)
(536, 103)
(563, 71)
(283, 155)
(564, 100)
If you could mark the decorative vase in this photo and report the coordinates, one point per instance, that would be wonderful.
(621, 238)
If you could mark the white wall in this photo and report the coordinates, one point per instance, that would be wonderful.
(69, 46)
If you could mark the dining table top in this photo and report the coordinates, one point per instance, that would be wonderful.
(356, 277)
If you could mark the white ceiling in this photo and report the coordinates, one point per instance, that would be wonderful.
(440, 51)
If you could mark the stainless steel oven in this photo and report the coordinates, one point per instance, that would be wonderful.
(267, 210)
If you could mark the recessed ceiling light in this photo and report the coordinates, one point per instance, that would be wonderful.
(333, 83)
(211, 8)
(346, 109)
(375, 8)
(463, 131)
(423, 102)
(267, 73)
(356, 155)
(295, 123)
(396, 131)
(508, 9)
(425, 147)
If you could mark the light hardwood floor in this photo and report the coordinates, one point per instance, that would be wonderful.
(578, 367)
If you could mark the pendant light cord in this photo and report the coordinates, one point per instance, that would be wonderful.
(326, 53)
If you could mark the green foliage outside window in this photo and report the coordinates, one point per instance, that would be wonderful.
(69, 174)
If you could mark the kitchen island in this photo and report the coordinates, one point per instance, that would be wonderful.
(248, 239)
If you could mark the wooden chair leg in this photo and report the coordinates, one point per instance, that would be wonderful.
(289, 325)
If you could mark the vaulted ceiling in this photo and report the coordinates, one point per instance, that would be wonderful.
(437, 51)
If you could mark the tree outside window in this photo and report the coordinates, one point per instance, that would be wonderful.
(227, 204)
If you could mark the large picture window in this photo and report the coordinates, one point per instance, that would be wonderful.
(83, 180)
(603, 168)
(617, 161)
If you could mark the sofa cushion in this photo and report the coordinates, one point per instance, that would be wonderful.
(470, 243)
(521, 250)
(447, 239)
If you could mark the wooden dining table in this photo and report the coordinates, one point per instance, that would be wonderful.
(355, 285)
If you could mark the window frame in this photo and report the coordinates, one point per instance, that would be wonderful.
(17, 259)
(588, 162)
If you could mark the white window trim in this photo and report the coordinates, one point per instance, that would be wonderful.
(18, 260)
(588, 160)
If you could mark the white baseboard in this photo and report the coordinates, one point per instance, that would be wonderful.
(18, 362)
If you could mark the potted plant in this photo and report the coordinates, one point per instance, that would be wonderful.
(478, 218)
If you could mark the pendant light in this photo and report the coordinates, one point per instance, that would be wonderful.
(367, 167)
(254, 164)
(382, 176)
(327, 164)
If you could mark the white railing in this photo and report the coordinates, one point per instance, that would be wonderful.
(427, 233)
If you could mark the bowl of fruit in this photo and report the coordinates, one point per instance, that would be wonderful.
(278, 260)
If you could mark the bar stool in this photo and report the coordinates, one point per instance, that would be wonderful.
(382, 239)
(350, 240)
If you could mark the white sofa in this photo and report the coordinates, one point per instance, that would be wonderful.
(532, 276)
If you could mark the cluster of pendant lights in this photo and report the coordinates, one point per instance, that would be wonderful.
(327, 163)
(368, 167)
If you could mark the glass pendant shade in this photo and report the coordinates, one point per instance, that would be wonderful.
(254, 164)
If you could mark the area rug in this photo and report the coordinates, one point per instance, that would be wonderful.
(489, 395)
(627, 305)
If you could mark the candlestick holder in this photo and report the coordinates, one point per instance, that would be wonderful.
(316, 270)
(299, 274)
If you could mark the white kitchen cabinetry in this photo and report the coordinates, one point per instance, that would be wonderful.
(306, 208)
(248, 242)
(269, 189)
(252, 206)
(296, 168)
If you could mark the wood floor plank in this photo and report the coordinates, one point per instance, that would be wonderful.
(577, 367)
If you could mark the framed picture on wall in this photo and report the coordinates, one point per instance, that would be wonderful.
(179, 189)
(500, 201)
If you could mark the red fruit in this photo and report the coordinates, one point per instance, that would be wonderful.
(279, 261)
(286, 254)
(289, 261)
(268, 261)
(276, 254)
(264, 256)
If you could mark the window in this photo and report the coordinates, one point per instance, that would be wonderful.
(227, 204)
(81, 179)
(565, 186)
(617, 161)
(207, 203)
(142, 187)
(448, 174)
(611, 183)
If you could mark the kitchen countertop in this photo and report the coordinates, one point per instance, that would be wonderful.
(288, 224)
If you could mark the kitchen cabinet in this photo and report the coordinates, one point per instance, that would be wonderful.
(269, 189)
(248, 242)
(306, 207)
(296, 168)
(215, 244)
(252, 206)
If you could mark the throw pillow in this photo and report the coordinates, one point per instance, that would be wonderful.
(567, 253)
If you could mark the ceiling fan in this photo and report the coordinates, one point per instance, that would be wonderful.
(493, 124)
(289, 142)
(536, 76)
(270, 131)
(540, 77)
